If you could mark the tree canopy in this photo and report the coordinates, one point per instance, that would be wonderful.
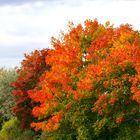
(87, 87)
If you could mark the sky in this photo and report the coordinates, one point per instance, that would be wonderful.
(26, 25)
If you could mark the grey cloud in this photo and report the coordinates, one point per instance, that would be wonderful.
(14, 2)
(11, 56)
(69, 2)
(20, 2)
(10, 62)
(15, 52)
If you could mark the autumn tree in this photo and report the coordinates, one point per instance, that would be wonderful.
(29, 73)
(92, 88)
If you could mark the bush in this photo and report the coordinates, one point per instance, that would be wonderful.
(11, 131)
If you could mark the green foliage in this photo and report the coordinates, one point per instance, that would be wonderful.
(11, 131)
(27, 135)
(7, 76)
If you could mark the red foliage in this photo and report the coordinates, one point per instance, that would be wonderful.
(120, 119)
(28, 76)
(81, 59)
(95, 62)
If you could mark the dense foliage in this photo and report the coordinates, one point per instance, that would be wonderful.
(11, 131)
(88, 88)
(7, 76)
(28, 77)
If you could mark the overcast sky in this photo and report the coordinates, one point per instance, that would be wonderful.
(26, 25)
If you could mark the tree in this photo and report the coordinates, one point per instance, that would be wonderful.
(92, 88)
(29, 73)
(7, 76)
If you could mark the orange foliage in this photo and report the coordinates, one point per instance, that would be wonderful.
(120, 119)
(94, 61)
(32, 67)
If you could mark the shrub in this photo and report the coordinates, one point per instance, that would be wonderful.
(10, 130)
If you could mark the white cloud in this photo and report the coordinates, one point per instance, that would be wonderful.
(10, 62)
(32, 24)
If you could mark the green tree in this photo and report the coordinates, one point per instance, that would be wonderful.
(7, 76)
